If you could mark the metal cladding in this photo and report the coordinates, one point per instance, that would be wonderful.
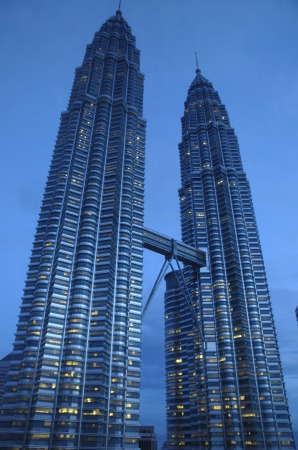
(224, 390)
(75, 373)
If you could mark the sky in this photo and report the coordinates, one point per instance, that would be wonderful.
(247, 49)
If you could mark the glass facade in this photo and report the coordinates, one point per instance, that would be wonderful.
(75, 375)
(4, 369)
(225, 388)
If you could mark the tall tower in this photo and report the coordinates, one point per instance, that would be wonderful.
(75, 373)
(225, 385)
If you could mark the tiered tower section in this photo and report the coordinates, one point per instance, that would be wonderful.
(75, 374)
(224, 390)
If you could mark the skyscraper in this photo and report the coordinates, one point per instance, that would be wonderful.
(225, 385)
(75, 373)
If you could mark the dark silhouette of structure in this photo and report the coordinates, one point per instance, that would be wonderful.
(148, 440)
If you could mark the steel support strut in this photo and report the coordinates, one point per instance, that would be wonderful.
(187, 297)
(181, 282)
(157, 282)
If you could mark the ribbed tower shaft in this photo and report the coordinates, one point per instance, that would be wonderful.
(75, 376)
(232, 394)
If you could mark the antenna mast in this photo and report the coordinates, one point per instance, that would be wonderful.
(197, 64)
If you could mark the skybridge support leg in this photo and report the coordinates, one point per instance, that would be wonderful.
(181, 282)
(187, 297)
(159, 279)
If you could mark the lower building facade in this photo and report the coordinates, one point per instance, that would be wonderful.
(4, 370)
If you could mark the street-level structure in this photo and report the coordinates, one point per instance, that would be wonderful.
(148, 439)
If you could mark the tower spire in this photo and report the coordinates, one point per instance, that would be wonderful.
(197, 64)
(119, 8)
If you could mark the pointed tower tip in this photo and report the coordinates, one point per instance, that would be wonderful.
(197, 64)
(119, 8)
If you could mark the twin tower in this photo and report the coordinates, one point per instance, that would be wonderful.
(74, 380)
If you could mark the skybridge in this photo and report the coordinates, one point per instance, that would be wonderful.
(164, 245)
(177, 251)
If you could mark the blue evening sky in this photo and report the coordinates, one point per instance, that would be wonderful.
(248, 49)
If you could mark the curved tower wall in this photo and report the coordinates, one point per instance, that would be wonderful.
(232, 395)
(75, 375)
